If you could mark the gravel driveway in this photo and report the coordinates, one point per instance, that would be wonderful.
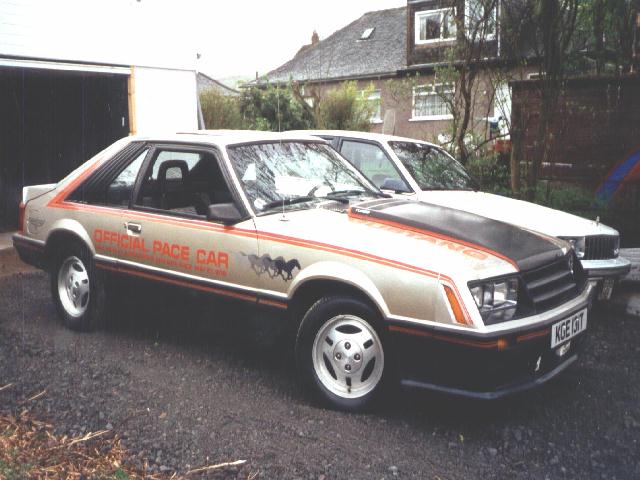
(184, 391)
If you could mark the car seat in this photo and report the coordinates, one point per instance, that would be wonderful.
(173, 181)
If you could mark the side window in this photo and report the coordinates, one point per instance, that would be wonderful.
(373, 163)
(189, 158)
(119, 191)
(184, 182)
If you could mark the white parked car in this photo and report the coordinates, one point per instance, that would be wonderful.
(416, 169)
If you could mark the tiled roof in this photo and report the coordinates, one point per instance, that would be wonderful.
(205, 82)
(345, 55)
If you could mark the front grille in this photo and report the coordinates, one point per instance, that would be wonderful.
(548, 286)
(600, 247)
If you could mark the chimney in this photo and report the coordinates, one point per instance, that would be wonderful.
(314, 38)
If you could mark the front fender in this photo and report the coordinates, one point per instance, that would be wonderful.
(339, 272)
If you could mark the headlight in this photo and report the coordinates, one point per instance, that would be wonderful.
(496, 300)
(577, 243)
(616, 246)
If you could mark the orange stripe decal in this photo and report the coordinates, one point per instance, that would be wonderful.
(272, 303)
(59, 201)
(533, 335)
(274, 237)
(429, 233)
(460, 341)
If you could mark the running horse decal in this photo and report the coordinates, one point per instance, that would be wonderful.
(273, 267)
(282, 267)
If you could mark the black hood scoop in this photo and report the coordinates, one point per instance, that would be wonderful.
(524, 248)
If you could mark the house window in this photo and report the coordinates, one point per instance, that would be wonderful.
(435, 25)
(373, 99)
(431, 102)
(479, 23)
(502, 102)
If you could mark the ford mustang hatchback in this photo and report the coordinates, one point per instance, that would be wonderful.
(376, 289)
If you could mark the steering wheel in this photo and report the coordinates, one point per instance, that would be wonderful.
(315, 189)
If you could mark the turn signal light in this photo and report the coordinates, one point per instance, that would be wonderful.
(458, 314)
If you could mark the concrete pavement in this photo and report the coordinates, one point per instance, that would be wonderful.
(626, 296)
(5, 241)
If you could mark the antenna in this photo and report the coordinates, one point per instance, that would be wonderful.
(283, 218)
(278, 102)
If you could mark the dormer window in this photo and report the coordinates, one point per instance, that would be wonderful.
(367, 33)
(435, 25)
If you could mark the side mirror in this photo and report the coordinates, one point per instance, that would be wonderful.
(225, 213)
(394, 184)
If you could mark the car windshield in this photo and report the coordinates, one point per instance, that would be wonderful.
(294, 173)
(431, 168)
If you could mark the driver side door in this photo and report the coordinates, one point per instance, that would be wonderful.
(171, 238)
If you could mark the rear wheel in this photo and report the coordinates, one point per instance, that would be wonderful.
(340, 352)
(78, 292)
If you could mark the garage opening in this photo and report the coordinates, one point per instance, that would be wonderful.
(51, 121)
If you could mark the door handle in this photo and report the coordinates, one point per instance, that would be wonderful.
(133, 227)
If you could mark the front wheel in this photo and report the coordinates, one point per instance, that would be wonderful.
(77, 291)
(340, 352)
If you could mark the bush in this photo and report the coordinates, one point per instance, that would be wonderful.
(569, 198)
(492, 173)
(275, 109)
(220, 111)
(345, 108)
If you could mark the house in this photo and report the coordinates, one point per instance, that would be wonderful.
(394, 55)
(205, 83)
(76, 76)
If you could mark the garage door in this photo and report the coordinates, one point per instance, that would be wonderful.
(50, 122)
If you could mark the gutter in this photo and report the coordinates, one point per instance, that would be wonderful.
(369, 76)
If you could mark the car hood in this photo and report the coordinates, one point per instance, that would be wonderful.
(433, 237)
(517, 212)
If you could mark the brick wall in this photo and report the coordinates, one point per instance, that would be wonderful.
(597, 125)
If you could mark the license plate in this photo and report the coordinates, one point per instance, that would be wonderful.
(607, 289)
(568, 328)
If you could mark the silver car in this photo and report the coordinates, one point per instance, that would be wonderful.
(375, 289)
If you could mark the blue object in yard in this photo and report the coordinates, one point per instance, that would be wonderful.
(625, 171)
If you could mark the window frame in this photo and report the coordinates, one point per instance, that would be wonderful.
(99, 181)
(146, 150)
(366, 35)
(145, 170)
(467, 19)
(415, 94)
(377, 117)
(401, 175)
(424, 13)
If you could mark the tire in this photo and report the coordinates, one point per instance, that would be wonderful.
(340, 352)
(78, 291)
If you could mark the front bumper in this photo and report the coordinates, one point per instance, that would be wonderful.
(609, 268)
(484, 365)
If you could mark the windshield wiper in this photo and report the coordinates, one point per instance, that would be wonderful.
(340, 195)
(287, 201)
